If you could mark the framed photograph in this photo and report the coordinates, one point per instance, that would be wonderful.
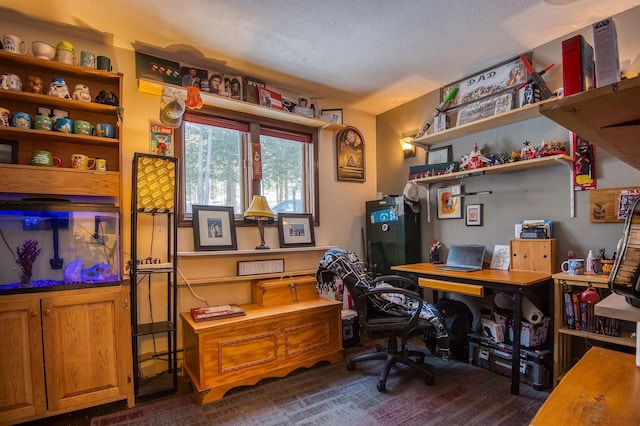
(214, 228)
(332, 115)
(474, 215)
(350, 154)
(440, 155)
(8, 152)
(296, 230)
(450, 202)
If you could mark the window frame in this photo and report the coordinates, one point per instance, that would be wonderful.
(254, 123)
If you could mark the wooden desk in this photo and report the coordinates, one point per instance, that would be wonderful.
(474, 284)
(603, 388)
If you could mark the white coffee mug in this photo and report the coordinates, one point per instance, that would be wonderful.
(14, 44)
(66, 57)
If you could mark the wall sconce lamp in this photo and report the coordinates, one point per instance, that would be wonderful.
(408, 148)
(259, 212)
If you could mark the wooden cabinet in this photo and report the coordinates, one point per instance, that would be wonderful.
(534, 255)
(268, 342)
(63, 351)
(23, 178)
(564, 337)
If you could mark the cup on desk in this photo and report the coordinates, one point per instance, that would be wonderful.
(573, 266)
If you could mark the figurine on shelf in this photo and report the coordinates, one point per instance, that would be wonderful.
(475, 160)
(58, 88)
(81, 93)
(527, 152)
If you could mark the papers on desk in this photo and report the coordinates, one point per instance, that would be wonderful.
(500, 258)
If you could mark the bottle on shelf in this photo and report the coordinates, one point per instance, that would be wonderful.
(591, 259)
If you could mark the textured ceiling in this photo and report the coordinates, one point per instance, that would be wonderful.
(370, 54)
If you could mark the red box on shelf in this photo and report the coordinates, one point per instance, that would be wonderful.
(577, 65)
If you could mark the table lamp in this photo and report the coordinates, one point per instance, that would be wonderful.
(259, 212)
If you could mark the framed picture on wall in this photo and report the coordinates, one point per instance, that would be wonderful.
(214, 228)
(350, 154)
(450, 202)
(474, 215)
(443, 154)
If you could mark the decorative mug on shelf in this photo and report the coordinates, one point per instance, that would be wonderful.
(45, 159)
(603, 267)
(573, 266)
(22, 120)
(43, 122)
(81, 161)
(14, 44)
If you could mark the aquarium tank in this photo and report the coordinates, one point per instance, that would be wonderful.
(55, 245)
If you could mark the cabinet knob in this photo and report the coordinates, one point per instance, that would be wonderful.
(35, 313)
(47, 312)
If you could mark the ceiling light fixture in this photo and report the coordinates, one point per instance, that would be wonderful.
(559, 2)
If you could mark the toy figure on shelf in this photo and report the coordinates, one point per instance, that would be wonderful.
(475, 160)
(527, 152)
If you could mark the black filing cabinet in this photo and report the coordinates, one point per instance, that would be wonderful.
(392, 235)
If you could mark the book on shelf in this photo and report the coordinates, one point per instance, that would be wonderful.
(568, 310)
(577, 65)
(216, 312)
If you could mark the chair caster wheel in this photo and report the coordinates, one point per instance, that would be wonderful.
(382, 386)
(351, 366)
(430, 381)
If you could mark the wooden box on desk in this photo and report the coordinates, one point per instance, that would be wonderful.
(534, 255)
(284, 291)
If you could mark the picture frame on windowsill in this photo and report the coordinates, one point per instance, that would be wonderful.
(214, 228)
(296, 230)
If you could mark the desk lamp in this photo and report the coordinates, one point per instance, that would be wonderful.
(259, 212)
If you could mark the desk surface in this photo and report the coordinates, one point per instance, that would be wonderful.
(518, 278)
(603, 388)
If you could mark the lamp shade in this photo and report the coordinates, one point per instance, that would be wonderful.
(259, 209)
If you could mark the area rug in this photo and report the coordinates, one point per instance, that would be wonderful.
(330, 395)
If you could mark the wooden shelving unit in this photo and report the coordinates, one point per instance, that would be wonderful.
(563, 337)
(608, 117)
(509, 117)
(156, 88)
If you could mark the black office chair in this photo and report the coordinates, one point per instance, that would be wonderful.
(392, 312)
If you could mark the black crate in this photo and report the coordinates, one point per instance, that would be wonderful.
(535, 364)
(350, 332)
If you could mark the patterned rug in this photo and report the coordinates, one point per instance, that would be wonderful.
(330, 395)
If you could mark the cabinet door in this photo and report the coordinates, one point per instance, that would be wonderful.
(22, 392)
(85, 348)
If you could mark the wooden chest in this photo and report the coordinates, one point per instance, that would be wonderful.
(534, 255)
(283, 291)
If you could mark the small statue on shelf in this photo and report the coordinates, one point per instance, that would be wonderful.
(475, 160)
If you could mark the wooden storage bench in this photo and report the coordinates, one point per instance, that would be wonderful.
(267, 342)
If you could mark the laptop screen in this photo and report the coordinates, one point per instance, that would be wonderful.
(465, 255)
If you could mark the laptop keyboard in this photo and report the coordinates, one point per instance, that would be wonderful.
(458, 268)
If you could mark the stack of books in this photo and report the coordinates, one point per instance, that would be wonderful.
(580, 316)
(216, 312)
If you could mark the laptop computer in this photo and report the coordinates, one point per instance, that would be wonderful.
(464, 258)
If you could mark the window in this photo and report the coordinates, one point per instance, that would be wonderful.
(217, 163)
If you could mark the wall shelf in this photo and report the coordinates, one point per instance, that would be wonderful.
(505, 168)
(513, 116)
(502, 168)
(251, 252)
(608, 117)
(156, 88)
